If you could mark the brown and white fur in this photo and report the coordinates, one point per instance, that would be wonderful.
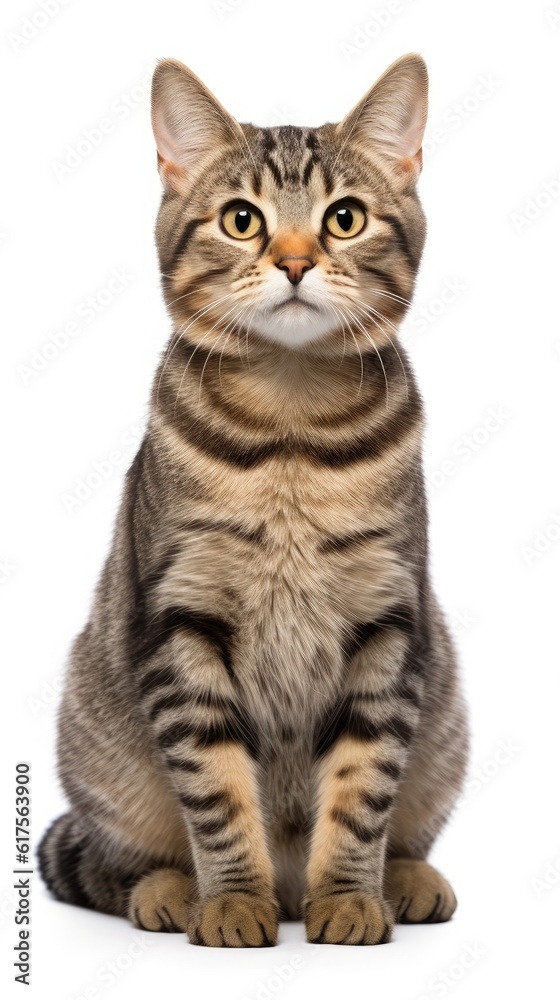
(262, 717)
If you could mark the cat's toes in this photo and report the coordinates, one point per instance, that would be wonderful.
(234, 920)
(349, 918)
(418, 893)
(159, 901)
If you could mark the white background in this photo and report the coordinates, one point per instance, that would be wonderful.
(495, 348)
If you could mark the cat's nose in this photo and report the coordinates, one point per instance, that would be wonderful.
(295, 267)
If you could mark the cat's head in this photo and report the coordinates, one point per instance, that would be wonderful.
(289, 235)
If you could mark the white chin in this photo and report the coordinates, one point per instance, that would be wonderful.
(293, 325)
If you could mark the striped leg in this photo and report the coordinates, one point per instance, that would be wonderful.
(362, 753)
(208, 748)
(345, 903)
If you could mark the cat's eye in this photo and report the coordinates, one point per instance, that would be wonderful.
(242, 221)
(345, 219)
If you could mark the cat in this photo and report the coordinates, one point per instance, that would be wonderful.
(262, 719)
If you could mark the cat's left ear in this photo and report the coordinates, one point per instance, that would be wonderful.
(391, 118)
(189, 123)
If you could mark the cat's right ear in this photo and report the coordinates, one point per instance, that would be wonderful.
(391, 118)
(189, 124)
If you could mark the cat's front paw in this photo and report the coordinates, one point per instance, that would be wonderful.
(348, 918)
(234, 920)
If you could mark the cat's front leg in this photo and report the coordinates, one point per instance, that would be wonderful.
(208, 749)
(237, 905)
(362, 753)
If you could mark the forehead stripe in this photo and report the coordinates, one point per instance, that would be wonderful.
(313, 159)
(274, 169)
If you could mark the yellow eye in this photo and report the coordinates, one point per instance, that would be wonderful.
(242, 221)
(345, 219)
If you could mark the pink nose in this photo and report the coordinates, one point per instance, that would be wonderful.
(295, 267)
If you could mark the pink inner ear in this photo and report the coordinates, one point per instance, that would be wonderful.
(165, 145)
(412, 138)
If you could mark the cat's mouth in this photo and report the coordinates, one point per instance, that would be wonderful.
(296, 302)
(292, 320)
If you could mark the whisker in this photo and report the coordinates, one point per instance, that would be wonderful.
(206, 362)
(352, 283)
(362, 327)
(392, 295)
(236, 137)
(248, 330)
(241, 324)
(197, 347)
(346, 140)
(393, 345)
(237, 319)
(181, 332)
(183, 329)
(384, 319)
(341, 327)
(180, 297)
(357, 347)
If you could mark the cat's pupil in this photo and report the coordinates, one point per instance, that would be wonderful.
(345, 219)
(242, 220)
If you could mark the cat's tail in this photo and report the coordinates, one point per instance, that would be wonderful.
(60, 855)
(76, 871)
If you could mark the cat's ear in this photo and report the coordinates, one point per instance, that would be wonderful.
(391, 118)
(189, 123)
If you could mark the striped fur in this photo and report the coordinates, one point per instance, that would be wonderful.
(262, 716)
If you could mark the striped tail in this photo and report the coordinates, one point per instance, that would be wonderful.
(74, 867)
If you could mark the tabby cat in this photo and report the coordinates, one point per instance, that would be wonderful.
(262, 718)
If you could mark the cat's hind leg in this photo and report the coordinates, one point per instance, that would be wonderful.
(417, 893)
(82, 865)
(159, 901)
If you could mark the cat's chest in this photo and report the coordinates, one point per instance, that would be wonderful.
(284, 552)
(292, 570)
